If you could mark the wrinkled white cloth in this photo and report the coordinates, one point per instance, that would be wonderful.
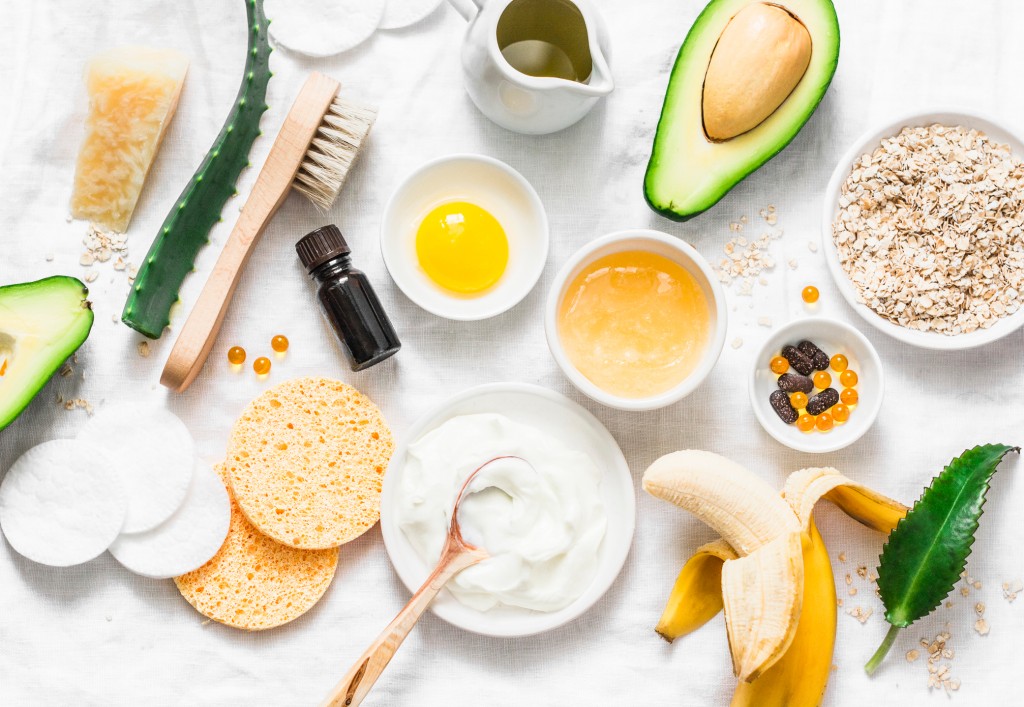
(98, 635)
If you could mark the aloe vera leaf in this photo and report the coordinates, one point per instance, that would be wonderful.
(186, 229)
(927, 551)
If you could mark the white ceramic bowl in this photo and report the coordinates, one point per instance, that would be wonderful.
(661, 244)
(491, 185)
(833, 337)
(866, 144)
(578, 429)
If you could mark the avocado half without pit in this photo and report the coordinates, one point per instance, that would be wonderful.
(747, 78)
(41, 324)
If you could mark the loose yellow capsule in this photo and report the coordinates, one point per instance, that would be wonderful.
(261, 366)
(810, 294)
(279, 343)
(236, 355)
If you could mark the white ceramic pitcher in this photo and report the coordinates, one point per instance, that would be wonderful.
(534, 66)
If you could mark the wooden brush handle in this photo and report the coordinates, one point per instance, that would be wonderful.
(353, 688)
(197, 336)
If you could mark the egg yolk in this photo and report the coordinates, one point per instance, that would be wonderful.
(462, 247)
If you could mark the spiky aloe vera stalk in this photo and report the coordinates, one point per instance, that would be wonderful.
(187, 227)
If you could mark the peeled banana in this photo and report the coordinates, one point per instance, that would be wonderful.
(770, 572)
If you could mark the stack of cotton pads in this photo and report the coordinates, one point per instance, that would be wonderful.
(327, 27)
(131, 483)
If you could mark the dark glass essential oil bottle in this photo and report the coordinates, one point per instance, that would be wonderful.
(348, 300)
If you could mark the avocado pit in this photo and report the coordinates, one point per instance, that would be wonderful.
(760, 57)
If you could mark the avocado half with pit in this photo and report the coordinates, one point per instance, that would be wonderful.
(41, 324)
(746, 79)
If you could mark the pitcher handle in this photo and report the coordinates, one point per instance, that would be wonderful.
(467, 8)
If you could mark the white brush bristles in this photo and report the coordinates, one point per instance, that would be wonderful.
(333, 151)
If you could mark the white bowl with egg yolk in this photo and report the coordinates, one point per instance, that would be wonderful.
(486, 183)
(657, 243)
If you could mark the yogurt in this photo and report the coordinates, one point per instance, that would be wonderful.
(542, 521)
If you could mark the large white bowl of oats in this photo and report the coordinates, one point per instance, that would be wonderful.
(923, 229)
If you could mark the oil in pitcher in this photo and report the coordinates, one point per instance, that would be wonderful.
(545, 39)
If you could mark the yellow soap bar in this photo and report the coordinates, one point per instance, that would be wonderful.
(133, 92)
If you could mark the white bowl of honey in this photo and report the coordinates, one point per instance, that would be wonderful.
(636, 319)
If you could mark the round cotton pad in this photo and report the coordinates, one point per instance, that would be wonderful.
(322, 27)
(306, 460)
(402, 13)
(62, 503)
(154, 452)
(255, 583)
(186, 540)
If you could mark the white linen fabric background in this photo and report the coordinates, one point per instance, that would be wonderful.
(98, 635)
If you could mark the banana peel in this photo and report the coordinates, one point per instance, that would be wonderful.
(696, 597)
(770, 571)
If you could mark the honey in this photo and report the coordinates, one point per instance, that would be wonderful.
(634, 323)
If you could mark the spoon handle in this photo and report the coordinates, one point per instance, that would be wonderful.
(360, 678)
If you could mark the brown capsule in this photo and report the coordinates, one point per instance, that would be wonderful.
(798, 360)
(822, 401)
(783, 408)
(794, 382)
(819, 359)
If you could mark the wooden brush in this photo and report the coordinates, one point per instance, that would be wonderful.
(317, 145)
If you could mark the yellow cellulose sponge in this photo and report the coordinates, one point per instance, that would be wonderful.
(133, 92)
(306, 460)
(255, 583)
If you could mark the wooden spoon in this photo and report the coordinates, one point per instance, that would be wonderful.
(456, 556)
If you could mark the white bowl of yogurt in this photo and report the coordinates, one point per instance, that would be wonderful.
(579, 490)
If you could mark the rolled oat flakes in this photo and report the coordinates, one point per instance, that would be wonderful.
(930, 229)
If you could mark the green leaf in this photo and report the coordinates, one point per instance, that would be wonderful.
(927, 551)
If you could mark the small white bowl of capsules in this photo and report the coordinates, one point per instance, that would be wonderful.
(636, 319)
(816, 385)
(465, 237)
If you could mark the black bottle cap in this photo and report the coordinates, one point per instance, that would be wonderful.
(321, 245)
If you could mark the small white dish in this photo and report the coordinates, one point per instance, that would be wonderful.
(489, 184)
(661, 244)
(866, 144)
(833, 337)
(578, 429)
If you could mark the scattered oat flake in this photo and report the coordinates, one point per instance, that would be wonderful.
(764, 321)
(842, 557)
(853, 591)
(964, 591)
(144, 349)
(91, 276)
(1012, 589)
(981, 626)
(793, 264)
(862, 572)
(737, 342)
(812, 246)
(77, 403)
(913, 655)
(976, 585)
(860, 613)
(980, 608)
(66, 370)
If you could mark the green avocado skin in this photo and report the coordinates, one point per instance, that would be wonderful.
(59, 309)
(669, 208)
